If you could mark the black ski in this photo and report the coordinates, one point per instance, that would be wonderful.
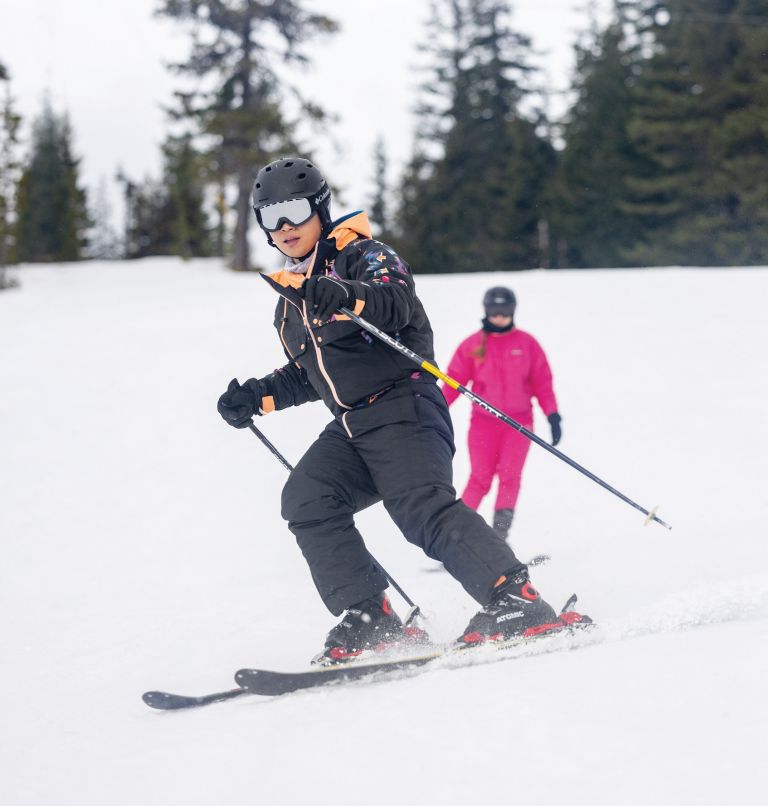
(267, 682)
(271, 684)
(164, 701)
(274, 683)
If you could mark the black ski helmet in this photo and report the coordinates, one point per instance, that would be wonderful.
(499, 300)
(293, 178)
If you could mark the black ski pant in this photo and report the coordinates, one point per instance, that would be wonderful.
(407, 464)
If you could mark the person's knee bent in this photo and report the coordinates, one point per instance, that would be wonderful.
(307, 500)
(295, 500)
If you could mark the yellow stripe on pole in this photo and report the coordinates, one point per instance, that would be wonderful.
(436, 372)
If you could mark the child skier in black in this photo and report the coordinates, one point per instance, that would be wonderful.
(390, 438)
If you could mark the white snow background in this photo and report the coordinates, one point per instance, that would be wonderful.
(141, 547)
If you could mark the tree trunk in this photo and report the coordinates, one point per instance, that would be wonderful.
(221, 227)
(543, 237)
(241, 258)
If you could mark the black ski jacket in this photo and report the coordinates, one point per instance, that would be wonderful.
(364, 382)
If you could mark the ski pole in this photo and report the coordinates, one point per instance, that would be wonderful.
(415, 609)
(293, 296)
(272, 449)
(484, 404)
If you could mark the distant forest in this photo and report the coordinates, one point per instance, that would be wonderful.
(660, 159)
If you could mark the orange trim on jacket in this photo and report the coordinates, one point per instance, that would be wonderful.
(287, 279)
(350, 229)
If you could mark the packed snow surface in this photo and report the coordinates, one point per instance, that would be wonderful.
(141, 547)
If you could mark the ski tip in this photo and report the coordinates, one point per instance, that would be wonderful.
(242, 675)
(164, 701)
(157, 699)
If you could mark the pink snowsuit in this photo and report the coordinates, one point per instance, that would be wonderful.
(513, 370)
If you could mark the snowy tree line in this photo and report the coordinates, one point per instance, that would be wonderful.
(660, 158)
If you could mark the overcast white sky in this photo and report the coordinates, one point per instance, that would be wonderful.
(102, 62)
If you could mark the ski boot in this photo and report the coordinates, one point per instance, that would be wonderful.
(368, 625)
(515, 610)
(502, 522)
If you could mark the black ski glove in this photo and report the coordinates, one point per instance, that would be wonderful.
(241, 401)
(326, 295)
(554, 424)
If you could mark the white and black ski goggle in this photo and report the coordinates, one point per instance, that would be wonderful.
(294, 212)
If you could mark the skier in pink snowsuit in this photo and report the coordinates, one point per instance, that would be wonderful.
(507, 367)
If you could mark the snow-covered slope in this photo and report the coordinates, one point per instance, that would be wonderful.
(141, 546)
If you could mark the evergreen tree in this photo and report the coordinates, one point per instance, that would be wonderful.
(593, 227)
(9, 173)
(740, 145)
(186, 196)
(702, 123)
(149, 229)
(243, 115)
(167, 216)
(443, 42)
(379, 208)
(478, 202)
(51, 208)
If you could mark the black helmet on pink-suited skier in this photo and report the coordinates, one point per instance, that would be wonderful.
(500, 300)
(290, 189)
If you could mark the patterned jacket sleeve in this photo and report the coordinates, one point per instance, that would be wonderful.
(383, 285)
(288, 386)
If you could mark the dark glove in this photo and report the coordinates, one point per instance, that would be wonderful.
(326, 295)
(554, 424)
(240, 402)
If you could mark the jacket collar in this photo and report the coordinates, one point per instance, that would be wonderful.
(349, 228)
(343, 232)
